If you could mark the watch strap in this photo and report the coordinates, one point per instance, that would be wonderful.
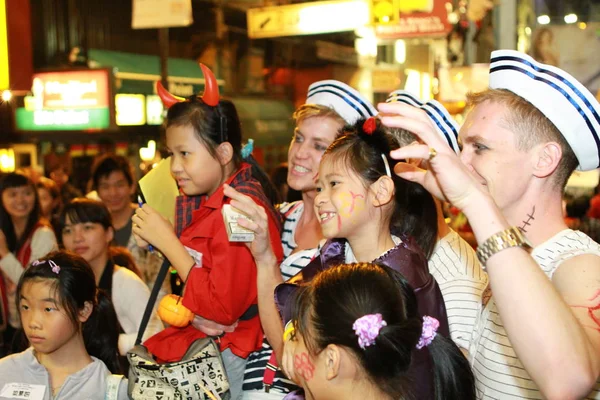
(510, 237)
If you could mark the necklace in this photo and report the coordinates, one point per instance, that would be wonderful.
(55, 390)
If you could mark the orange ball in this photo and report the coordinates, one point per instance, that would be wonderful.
(172, 311)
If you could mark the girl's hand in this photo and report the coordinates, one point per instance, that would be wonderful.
(447, 177)
(3, 245)
(211, 328)
(152, 228)
(259, 224)
(287, 360)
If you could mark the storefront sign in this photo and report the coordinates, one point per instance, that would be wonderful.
(154, 110)
(69, 100)
(161, 13)
(430, 21)
(307, 18)
(130, 109)
(4, 77)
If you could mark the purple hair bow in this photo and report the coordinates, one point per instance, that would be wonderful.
(367, 329)
(430, 326)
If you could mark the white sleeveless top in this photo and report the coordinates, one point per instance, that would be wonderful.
(499, 373)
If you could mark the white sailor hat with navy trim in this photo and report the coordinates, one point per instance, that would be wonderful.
(343, 99)
(443, 122)
(561, 98)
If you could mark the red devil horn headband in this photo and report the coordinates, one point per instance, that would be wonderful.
(209, 97)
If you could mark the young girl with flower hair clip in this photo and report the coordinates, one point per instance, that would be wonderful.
(356, 329)
(72, 328)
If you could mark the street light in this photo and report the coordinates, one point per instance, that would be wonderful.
(543, 19)
(570, 18)
(6, 95)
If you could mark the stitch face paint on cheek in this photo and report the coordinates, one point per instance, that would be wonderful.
(303, 366)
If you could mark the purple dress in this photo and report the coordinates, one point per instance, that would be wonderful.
(406, 258)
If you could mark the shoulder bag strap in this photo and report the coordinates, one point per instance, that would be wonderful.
(153, 295)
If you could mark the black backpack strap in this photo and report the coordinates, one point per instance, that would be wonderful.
(153, 295)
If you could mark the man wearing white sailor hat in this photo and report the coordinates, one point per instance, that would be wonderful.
(539, 335)
(453, 263)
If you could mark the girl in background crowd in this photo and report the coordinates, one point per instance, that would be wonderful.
(86, 229)
(357, 328)
(24, 236)
(72, 329)
(50, 200)
(205, 139)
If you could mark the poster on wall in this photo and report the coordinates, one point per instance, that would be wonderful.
(554, 45)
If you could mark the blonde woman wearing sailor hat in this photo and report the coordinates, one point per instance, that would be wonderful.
(539, 335)
(329, 106)
(453, 263)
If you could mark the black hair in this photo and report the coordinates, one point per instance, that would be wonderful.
(122, 257)
(279, 178)
(83, 210)
(108, 164)
(578, 207)
(324, 313)
(414, 213)
(216, 125)
(74, 285)
(15, 180)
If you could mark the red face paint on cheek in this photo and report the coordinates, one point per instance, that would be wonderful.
(303, 366)
(339, 219)
(354, 197)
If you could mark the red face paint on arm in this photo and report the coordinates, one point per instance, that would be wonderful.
(593, 311)
(303, 366)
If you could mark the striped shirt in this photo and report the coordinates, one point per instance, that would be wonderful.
(499, 373)
(462, 281)
(291, 265)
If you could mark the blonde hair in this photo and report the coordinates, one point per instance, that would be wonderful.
(307, 111)
(530, 126)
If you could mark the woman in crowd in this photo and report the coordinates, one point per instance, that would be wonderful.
(86, 229)
(24, 236)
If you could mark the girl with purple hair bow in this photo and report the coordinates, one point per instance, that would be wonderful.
(357, 329)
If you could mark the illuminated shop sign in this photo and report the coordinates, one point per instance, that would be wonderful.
(154, 110)
(130, 109)
(67, 100)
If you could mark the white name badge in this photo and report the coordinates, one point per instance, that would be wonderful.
(23, 391)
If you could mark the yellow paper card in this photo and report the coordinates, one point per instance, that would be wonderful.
(160, 189)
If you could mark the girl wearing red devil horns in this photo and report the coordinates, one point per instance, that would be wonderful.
(204, 137)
